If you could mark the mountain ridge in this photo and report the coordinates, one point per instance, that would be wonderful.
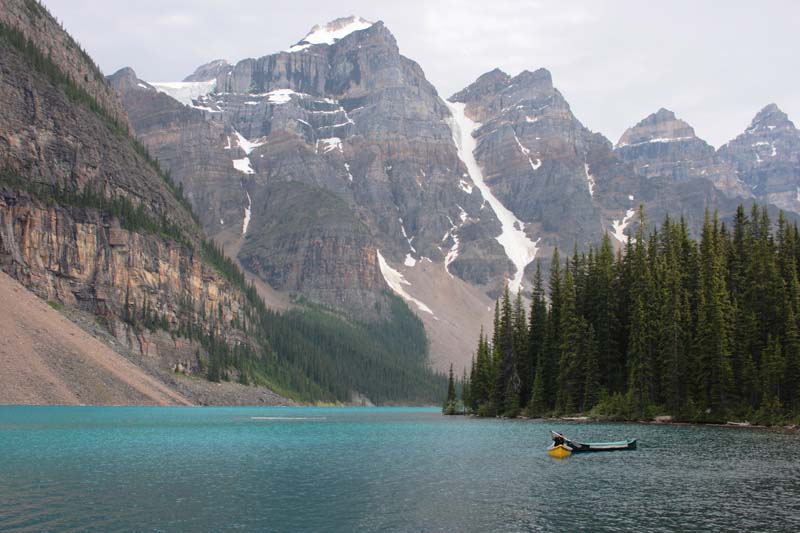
(564, 184)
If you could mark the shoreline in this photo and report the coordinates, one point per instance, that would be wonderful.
(590, 420)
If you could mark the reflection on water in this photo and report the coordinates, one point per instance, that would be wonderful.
(285, 469)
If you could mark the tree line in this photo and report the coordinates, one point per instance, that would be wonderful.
(703, 331)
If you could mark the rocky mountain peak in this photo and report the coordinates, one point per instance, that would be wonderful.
(540, 80)
(770, 118)
(210, 71)
(661, 126)
(765, 158)
(488, 83)
(331, 32)
(124, 79)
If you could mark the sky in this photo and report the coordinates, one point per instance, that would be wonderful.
(714, 63)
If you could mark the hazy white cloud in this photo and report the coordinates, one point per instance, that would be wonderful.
(714, 63)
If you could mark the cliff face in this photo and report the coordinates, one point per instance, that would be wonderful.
(311, 238)
(191, 146)
(69, 173)
(84, 259)
(664, 146)
(539, 160)
(766, 157)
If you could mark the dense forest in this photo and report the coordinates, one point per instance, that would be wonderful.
(308, 354)
(703, 331)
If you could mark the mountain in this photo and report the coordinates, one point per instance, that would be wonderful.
(90, 222)
(537, 158)
(352, 135)
(663, 146)
(766, 157)
(333, 170)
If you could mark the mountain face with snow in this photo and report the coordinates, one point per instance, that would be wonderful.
(335, 171)
(539, 160)
(766, 157)
(356, 123)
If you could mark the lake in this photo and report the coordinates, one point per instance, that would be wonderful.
(398, 469)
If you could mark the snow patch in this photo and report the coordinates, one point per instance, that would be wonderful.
(395, 280)
(247, 212)
(466, 187)
(280, 96)
(185, 91)
(656, 140)
(331, 143)
(518, 247)
(243, 165)
(410, 261)
(246, 145)
(349, 174)
(408, 239)
(527, 153)
(452, 255)
(620, 225)
(589, 179)
(331, 32)
(630, 197)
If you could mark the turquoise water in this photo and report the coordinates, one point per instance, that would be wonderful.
(398, 469)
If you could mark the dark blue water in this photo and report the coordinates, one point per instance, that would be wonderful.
(196, 469)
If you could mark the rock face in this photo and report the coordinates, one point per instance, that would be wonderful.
(209, 71)
(766, 157)
(81, 258)
(662, 145)
(62, 155)
(191, 146)
(666, 147)
(311, 238)
(342, 112)
(538, 159)
(39, 27)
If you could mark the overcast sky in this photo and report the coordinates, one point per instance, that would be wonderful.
(715, 63)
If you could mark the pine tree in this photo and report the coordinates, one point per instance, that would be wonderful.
(523, 364)
(704, 330)
(451, 387)
(712, 344)
(592, 389)
(570, 364)
(537, 338)
(552, 345)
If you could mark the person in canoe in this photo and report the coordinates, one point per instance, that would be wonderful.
(562, 446)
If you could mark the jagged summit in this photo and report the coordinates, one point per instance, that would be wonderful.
(538, 80)
(125, 78)
(769, 118)
(661, 126)
(331, 32)
(209, 71)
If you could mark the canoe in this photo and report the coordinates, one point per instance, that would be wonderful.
(580, 447)
(559, 451)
